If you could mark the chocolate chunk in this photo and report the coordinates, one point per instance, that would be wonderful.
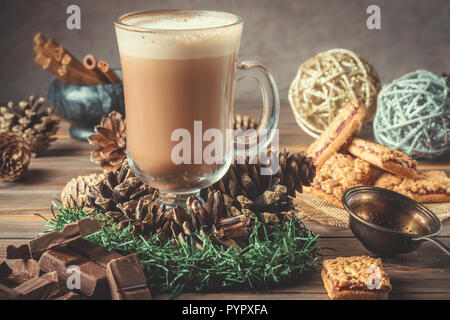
(93, 280)
(92, 276)
(21, 252)
(126, 279)
(69, 296)
(70, 233)
(137, 294)
(4, 270)
(103, 260)
(87, 249)
(29, 267)
(22, 271)
(59, 260)
(42, 288)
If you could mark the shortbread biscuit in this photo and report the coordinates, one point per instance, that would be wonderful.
(337, 133)
(383, 157)
(356, 278)
(430, 186)
(338, 174)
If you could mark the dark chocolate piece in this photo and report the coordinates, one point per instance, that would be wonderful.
(28, 267)
(92, 275)
(93, 280)
(20, 252)
(69, 296)
(127, 280)
(42, 288)
(103, 260)
(87, 249)
(23, 270)
(4, 270)
(59, 260)
(70, 233)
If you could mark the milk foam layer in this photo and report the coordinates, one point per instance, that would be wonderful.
(175, 36)
(179, 22)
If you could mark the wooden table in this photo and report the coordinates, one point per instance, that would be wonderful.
(424, 274)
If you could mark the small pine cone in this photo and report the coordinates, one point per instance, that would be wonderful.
(76, 190)
(296, 170)
(34, 125)
(246, 191)
(244, 122)
(118, 194)
(15, 154)
(110, 142)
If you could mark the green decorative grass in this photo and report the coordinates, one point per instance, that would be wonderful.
(269, 259)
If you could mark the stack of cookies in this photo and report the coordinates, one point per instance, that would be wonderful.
(344, 162)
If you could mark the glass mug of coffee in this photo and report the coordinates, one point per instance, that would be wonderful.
(179, 71)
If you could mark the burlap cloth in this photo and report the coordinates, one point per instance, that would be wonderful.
(313, 208)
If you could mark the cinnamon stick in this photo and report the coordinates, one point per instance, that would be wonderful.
(80, 77)
(53, 57)
(48, 64)
(51, 46)
(109, 73)
(75, 66)
(39, 39)
(90, 63)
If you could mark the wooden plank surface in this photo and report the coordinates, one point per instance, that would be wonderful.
(424, 274)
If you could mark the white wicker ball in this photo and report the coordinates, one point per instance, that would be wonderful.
(326, 83)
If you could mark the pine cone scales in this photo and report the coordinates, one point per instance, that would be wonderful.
(15, 156)
(128, 202)
(110, 141)
(34, 126)
(118, 193)
(296, 170)
(78, 189)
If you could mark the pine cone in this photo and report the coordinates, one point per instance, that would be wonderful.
(246, 191)
(110, 142)
(244, 122)
(77, 190)
(15, 156)
(127, 202)
(34, 126)
(118, 194)
(213, 218)
(296, 170)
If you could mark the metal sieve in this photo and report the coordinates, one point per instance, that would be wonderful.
(388, 223)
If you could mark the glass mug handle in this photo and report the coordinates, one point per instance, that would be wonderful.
(252, 144)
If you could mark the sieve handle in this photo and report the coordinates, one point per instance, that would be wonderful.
(438, 243)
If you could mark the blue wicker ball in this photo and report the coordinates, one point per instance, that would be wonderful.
(413, 115)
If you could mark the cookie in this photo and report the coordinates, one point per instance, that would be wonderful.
(337, 133)
(430, 186)
(383, 157)
(355, 278)
(338, 174)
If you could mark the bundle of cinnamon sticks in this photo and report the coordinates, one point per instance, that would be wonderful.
(53, 57)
